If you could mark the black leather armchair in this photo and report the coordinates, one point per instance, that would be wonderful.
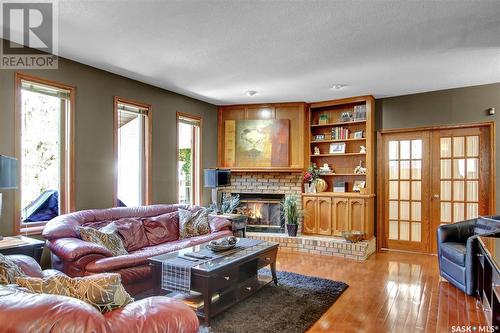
(457, 248)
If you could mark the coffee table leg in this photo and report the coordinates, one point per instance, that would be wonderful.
(273, 272)
(207, 300)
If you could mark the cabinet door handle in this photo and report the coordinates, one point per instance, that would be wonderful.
(226, 277)
(248, 288)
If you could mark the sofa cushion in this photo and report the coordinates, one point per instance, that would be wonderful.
(132, 232)
(107, 237)
(54, 285)
(454, 252)
(140, 257)
(161, 229)
(9, 271)
(103, 291)
(193, 223)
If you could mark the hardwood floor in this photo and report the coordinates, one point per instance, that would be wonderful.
(390, 292)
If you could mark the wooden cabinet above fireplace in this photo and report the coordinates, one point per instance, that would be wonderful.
(276, 131)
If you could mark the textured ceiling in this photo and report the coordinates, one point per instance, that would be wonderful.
(287, 50)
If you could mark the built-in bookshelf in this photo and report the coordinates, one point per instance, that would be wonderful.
(341, 134)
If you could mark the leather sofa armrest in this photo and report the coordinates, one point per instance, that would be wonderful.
(27, 264)
(154, 314)
(71, 249)
(218, 223)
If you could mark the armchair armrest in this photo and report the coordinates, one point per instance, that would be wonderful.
(71, 249)
(218, 223)
(456, 232)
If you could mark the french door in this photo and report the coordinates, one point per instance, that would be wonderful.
(431, 177)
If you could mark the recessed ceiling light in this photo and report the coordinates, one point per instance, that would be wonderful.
(338, 86)
(251, 93)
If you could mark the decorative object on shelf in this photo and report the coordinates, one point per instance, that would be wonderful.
(292, 213)
(353, 236)
(323, 119)
(358, 134)
(310, 179)
(362, 149)
(340, 187)
(345, 116)
(360, 112)
(358, 185)
(360, 170)
(337, 148)
(319, 137)
(316, 151)
(229, 203)
(325, 169)
(321, 185)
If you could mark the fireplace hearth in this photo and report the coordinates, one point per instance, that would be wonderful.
(264, 211)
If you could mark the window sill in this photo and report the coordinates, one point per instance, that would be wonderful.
(32, 230)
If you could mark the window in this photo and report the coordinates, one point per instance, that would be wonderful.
(44, 143)
(188, 159)
(132, 153)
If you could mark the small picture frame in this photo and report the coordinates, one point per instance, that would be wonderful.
(337, 148)
(319, 137)
(358, 134)
(358, 185)
(360, 112)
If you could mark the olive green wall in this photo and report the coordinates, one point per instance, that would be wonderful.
(94, 133)
(444, 107)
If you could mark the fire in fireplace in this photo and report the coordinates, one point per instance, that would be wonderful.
(264, 211)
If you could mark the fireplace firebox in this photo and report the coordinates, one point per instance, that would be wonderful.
(264, 211)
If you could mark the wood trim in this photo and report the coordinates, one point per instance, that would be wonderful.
(436, 127)
(380, 200)
(197, 189)
(357, 99)
(264, 170)
(68, 180)
(148, 152)
(264, 105)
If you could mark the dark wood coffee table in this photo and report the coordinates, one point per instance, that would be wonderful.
(233, 277)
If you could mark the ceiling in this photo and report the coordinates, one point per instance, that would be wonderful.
(287, 50)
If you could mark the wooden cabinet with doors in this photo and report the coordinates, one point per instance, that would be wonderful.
(329, 214)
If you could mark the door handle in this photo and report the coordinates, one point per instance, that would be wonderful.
(435, 196)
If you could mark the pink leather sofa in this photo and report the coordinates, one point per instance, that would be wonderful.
(147, 231)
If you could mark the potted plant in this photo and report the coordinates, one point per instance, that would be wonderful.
(291, 214)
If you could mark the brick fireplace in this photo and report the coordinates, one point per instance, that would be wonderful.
(268, 188)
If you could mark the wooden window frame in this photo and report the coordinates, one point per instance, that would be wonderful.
(148, 139)
(67, 195)
(198, 164)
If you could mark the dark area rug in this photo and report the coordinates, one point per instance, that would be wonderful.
(294, 305)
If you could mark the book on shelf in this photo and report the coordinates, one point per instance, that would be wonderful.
(340, 133)
(194, 299)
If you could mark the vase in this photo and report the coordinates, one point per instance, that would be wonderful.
(312, 187)
(292, 229)
(321, 185)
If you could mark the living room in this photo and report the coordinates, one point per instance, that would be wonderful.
(270, 166)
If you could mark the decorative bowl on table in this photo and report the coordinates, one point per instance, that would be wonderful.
(353, 236)
(222, 244)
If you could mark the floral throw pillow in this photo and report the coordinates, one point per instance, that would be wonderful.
(107, 237)
(9, 270)
(193, 223)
